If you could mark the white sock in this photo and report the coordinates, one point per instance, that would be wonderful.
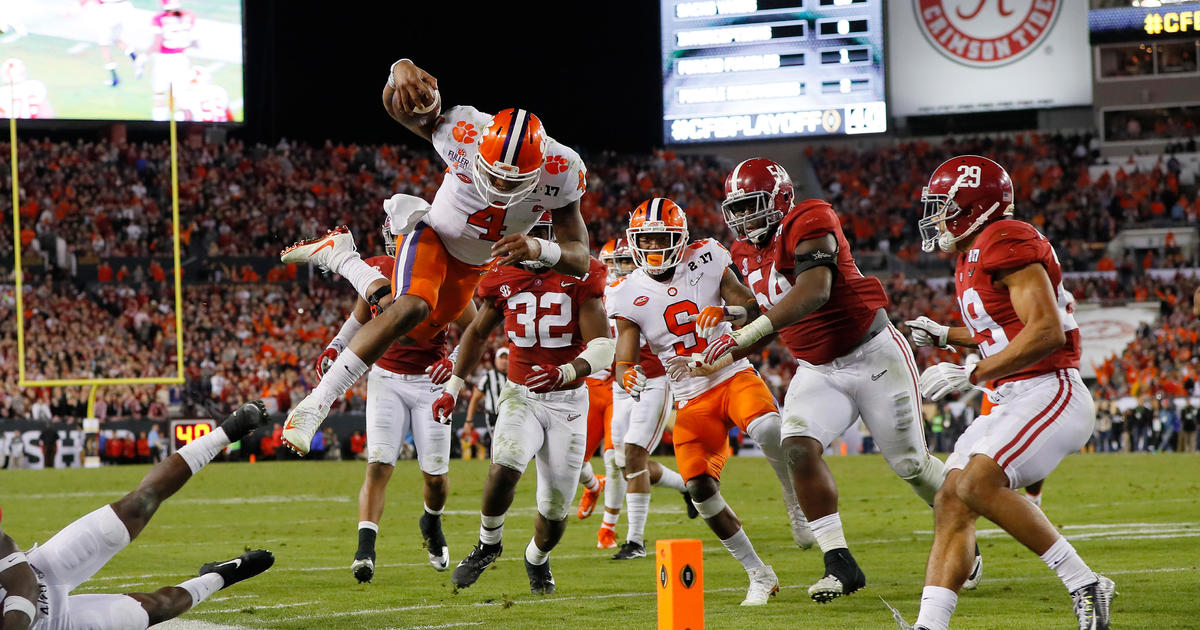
(202, 450)
(828, 531)
(937, 604)
(1071, 569)
(739, 545)
(340, 377)
(112, 65)
(369, 525)
(587, 477)
(535, 555)
(434, 512)
(1035, 499)
(637, 505)
(614, 488)
(610, 519)
(491, 529)
(671, 479)
(201, 587)
(360, 274)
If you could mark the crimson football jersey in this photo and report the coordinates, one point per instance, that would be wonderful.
(408, 359)
(986, 306)
(541, 313)
(834, 329)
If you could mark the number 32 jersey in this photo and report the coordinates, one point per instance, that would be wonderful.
(462, 219)
(661, 309)
(541, 313)
(986, 305)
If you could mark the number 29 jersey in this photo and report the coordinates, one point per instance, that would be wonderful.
(986, 305)
(462, 219)
(541, 313)
(661, 309)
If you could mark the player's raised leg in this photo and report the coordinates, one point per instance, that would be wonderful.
(170, 601)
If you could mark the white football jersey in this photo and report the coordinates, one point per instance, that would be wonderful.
(467, 226)
(660, 309)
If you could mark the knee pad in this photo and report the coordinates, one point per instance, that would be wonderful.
(925, 478)
(610, 460)
(619, 456)
(711, 506)
(765, 430)
(116, 612)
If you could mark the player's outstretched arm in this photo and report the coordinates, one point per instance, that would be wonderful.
(20, 585)
(596, 355)
(409, 91)
(1034, 300)
(568, 254)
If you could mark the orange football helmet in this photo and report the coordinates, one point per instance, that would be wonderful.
(617, 256)
(510, 158)
(657, 216)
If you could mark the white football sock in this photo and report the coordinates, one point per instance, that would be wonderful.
(360, 274)
(671, 479)
(434, 512)
(203, 449)
(828, 531)
(614, 488)
(491, 529)
(637, 505)
(1071, 569)
(1035, 499)
(937, 604)
(610, 520)
(340, 377)
(739, 545)
(534, 555)
(201, 587)
(587, 477)
(369, 525)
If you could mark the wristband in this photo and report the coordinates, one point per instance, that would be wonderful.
(454, 385)
(12, 560)
(392, 71)
(551, 252)
(19, 604)
(568, 371)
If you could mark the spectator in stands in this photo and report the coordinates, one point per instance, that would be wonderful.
(333, 446)
(358, 445)
(49, 438)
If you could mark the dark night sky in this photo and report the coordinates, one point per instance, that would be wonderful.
(591, 74)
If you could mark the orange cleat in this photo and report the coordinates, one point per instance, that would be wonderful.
(587, 503)
(606, 538)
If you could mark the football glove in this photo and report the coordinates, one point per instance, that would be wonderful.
(547, 378)
(443, 407)
(926, 332)
(633, 379)
(440, 371)
(939, 380)
(708, 319)
(325, 361)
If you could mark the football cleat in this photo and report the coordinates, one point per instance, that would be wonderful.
(302, 424)
(606, 538)
(471, 567)
(630, 550)
(435, 541)
(327, 251)
(363, 569)
(691, 507)
(587, 503)
(245, 420)
(541, 580)
(1092, 603)
(842, 577)
(763, 584)
(801, 532)
(976, 575)
(240, 568)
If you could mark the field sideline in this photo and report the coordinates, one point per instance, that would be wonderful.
(1132, 517)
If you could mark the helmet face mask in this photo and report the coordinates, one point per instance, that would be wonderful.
(511, 155)
(964, 194)
(502, 187)
(758, 193)
(657, 235)
(617, 256)
(751, 217)
(389, 240)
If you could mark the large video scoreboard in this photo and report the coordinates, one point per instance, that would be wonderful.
(754, 69)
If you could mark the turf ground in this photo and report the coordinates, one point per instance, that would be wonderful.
(1135, 518)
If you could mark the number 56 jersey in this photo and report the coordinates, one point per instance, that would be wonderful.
(661, 310)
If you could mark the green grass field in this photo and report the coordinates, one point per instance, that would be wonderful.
(1135, 518)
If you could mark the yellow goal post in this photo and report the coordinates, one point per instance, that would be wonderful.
(99, 382)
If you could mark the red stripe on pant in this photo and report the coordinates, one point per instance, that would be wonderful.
(1043, 427)
(1000, 454)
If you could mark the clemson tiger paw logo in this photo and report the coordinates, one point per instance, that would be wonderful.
(464, 132)
(556, 164)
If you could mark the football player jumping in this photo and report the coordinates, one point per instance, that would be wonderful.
(557, 334)
(1010, 294)
(502, 173)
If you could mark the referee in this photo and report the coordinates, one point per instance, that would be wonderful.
(487, 389)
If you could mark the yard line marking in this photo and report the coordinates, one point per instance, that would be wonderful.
(77, 48)
(458, 624)
(233, 610)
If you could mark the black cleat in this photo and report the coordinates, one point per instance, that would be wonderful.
(630, 550)
(1092, 603)
(541, 580)
(245, 420)
(240, 568)
(471, 567)
(435, 541)
(842, 577)
(363, 569)
(691, 507)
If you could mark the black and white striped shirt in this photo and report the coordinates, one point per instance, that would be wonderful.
(490, 384)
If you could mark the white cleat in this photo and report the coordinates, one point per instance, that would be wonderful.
(328, 251)
(441, 562)
(801, 531)
(975, 576)
(302, 424)
(763, 584)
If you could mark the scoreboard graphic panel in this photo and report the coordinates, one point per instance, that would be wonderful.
(754, 69)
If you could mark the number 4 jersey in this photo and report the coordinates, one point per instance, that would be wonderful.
(661, 309)
(465, 223)
(541, 313)
(986, 305)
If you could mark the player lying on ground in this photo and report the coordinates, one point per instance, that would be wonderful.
(502, 172)
(35, 587)
(658, 301)
(401, 389)
(851, 361)
(1010, 294)
(557, 334)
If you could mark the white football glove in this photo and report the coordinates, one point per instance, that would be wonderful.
(941, 379)
(679, 367)
(926, 332)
